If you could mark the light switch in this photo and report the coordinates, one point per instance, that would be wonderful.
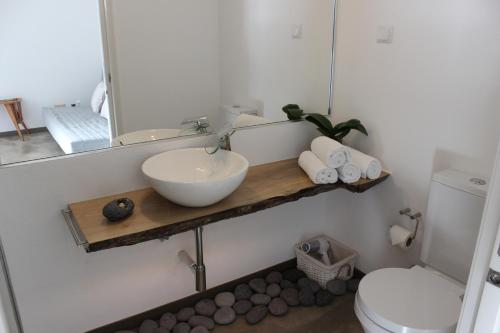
(385, 33)
(297, 31)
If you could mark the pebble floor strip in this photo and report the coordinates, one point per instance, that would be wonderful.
(255, 300)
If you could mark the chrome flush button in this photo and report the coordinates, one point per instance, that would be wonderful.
(494, 278)
(478, 181)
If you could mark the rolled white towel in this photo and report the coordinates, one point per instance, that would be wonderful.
(349, 173)
(331, 152)
(316, 170)
(371, 168)
(333, 176)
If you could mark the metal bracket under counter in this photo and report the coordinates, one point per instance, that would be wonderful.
(75, 230)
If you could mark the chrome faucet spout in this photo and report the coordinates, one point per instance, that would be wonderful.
(223, 139)
(199, 124)
(225, 142)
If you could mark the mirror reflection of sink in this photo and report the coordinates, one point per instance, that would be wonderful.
(192, 177)
(149, 135)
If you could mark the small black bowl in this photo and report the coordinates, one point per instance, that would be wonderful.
(118, 210)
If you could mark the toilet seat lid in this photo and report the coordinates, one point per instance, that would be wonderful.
(410, 300)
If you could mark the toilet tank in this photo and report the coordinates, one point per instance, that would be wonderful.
(451, 225)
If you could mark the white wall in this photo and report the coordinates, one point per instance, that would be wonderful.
(260, 59)
(430, 100)
(62, 289)
(51, 53)
(165, 61)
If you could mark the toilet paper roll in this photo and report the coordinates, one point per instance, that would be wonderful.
(401, 237)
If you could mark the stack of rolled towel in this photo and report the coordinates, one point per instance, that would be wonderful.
(329, 160)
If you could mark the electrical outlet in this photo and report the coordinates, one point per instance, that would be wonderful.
(385, 34)
(76, 104)
(297, 31)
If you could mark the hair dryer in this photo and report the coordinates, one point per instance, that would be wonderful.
(320, 246)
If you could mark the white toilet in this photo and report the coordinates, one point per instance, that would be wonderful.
(428, 299)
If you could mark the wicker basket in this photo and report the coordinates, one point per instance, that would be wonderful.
(343, 268)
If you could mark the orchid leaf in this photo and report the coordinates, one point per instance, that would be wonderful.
(293, 111)
(320, 121)
(324, 132)
(347, 124)
(350, 125)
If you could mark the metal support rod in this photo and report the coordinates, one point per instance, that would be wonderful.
(198, 267)
(201, 281)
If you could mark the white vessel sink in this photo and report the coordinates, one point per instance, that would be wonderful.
(192, 177)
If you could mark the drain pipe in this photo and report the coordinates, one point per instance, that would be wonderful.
(198, 267)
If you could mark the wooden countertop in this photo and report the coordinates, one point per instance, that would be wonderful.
(155, 217)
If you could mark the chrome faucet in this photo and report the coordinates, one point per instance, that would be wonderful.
(199, 124)
(223, 137)
(224, 142)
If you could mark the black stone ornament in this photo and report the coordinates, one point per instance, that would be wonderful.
(118, 210)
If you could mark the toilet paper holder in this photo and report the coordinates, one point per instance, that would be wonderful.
(416, 216)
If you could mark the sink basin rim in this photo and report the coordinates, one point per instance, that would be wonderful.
(236, 174)
(150, 135)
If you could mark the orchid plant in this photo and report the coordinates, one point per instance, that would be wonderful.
(336, 132)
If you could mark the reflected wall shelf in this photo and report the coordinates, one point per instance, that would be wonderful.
(154, 217)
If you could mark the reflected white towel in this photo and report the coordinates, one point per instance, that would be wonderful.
(317, 170)
(245, 120)
(349, 173)
(331, 152)
(371, 168)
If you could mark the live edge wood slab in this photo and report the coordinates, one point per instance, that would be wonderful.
(154, 217)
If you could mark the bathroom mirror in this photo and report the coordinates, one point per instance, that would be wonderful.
(104, 73)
